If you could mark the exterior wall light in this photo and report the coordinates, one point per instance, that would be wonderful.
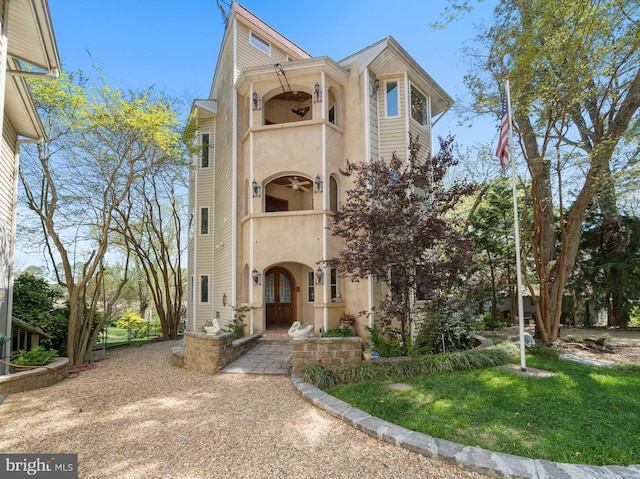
(319, 275)
(256, 276)
(375, 86)
(317, 94)
(256, 188)
(256, 101)
(318, 183)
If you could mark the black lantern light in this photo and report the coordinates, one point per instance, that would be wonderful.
(317, 94)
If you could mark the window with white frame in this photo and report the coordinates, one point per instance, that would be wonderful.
(204, 148)
(260, 43)
(392, 99)
(204, 288)
(311, 290)
(332, 114)
(419, 107)
(204, 221)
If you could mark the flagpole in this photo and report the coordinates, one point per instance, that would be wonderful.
(516, 228)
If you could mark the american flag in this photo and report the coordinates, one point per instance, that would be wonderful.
(502, 151)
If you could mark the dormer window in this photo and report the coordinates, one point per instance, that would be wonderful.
(260, 43)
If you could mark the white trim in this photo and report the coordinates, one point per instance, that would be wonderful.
(386, 99)
(200, 208)
(200, 156)
(208, 301)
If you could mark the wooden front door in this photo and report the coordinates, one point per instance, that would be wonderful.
(280, 297)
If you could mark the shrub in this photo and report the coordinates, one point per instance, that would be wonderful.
(236, 327)
(498, 322)
(326, 378)
(38, 356)
(340, 332)
(135, 323)
(542, 351)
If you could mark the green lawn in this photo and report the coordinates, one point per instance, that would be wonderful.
(582, 414)
(120, 336)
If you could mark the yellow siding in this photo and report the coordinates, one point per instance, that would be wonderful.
(393, 131)
(250, 56)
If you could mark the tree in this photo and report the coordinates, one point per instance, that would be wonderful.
(491, 220)
(101, 142)
(395, 226)
(609, 271)
(36, 302)
(575, 83)
(150, 224)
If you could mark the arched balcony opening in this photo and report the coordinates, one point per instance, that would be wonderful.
(289, 193)
(288, 107)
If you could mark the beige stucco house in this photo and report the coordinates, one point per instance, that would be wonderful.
(273, 135)
(27, 49)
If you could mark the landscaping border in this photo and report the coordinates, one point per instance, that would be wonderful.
(476, 459)
(35, 378)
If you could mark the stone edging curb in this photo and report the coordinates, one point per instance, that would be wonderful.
(476, 459)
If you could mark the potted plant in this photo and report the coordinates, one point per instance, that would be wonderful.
(366, 354)
(347, 319)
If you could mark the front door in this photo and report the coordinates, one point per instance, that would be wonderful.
(280, 297)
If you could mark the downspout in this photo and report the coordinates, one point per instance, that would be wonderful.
(367, 122)
(234, 177)
(325, 218)
(252, 265)
(196, 230)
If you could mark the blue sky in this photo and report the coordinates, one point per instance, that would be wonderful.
(173, 46)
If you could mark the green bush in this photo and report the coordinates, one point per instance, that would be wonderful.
(38, 356)
(340, 332)
(236, 327)
(498, 322)
(135, 323)
(542, 351)
(325, 378)
(38, 303)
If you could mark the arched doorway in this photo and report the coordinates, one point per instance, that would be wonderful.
(280, 297)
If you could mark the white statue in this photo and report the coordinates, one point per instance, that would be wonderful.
(214, 328)
(296, 332)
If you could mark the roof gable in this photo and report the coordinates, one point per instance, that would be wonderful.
(386, 57)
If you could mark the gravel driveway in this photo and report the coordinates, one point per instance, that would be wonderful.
(136, 416)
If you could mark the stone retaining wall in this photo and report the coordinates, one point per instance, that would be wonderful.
(208, 354)
(29, 379)
(326, 351)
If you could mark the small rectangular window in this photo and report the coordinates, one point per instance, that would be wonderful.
(204, 221)
(392, 103)
(332, 114)
(311, 290)
(260, 44)
(334, 283)
(204, 162)
(419, 107)
(204, 288)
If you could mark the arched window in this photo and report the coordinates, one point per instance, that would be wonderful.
(333, 194)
